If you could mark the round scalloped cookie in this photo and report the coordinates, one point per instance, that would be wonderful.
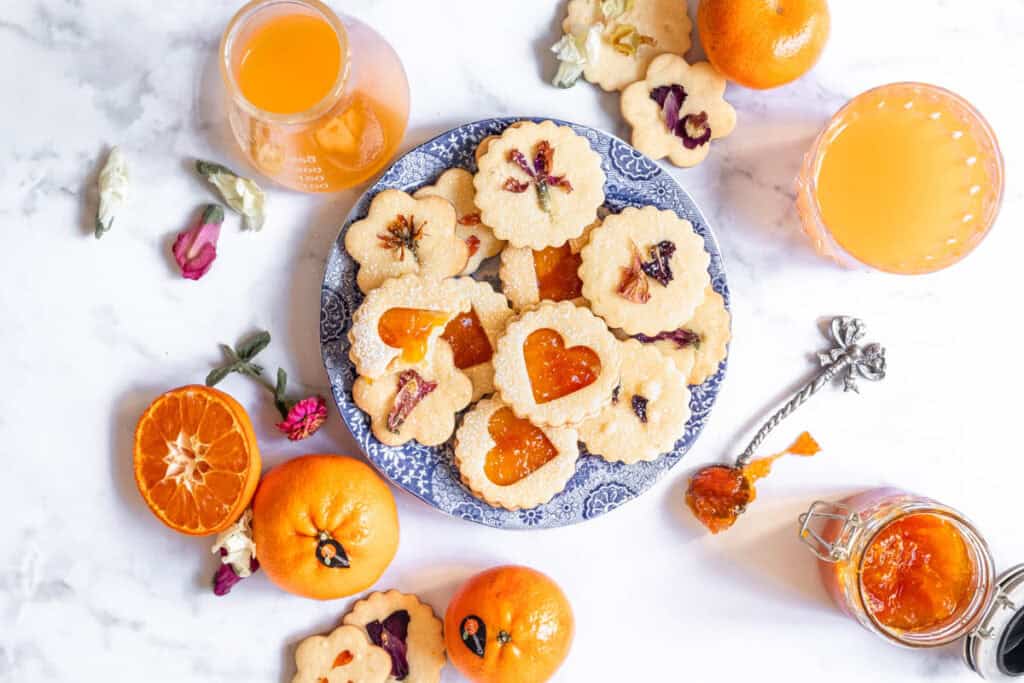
(704, 105)
(507, 189)
(401, 235)
(319, 658)
(578, 330)
(456, 185)
(666, 21)
(607, 259)
(492, 315)
(424, 641)
(370, 354)
(648, 413)
(473, 445)
(711, 323)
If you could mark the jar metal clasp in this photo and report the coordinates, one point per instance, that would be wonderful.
(823, 514)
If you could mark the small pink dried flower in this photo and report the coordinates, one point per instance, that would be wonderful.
(195, 249)
(304, 418)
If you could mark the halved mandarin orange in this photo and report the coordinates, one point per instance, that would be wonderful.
(196, 459)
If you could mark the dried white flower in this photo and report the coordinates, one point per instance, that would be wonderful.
(574, 52)
(241, 194)
(236, 547)
(113, 185)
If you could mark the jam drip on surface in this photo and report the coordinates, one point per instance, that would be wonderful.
(409, 329)
(557, 270)
(554, 370)
(519, 448)
(468, 340)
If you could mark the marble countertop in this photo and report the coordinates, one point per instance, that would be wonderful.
(92, 587)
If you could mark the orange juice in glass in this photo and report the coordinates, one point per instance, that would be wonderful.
(317, 103)
(907, 178)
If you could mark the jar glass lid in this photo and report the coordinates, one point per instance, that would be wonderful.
(995, 650)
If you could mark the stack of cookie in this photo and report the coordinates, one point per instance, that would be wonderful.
(602, 322)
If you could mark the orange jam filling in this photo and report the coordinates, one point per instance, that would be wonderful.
(468, 340)
(554, 370)
(519, 448)
(557, 273)
(409, 329)
(917, 573)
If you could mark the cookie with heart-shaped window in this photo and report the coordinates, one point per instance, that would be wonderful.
(345, 655)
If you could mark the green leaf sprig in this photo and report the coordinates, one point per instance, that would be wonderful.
(241, 360)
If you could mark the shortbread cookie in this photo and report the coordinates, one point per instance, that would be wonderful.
(648, 412)
(557, 364)
(345, 655)
(698, 347)
(407, 629)
(401, 234)
(644, 270)
(508, 461)
(456, 185)
(539, 185)
(677, 110)
(485, 144)
(633, 33)
(474, 334)
(415, 403)
(397, 323)
(550, 274)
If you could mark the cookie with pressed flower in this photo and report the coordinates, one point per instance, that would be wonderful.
(473, 334)
(698, 347)
(556, 364)
(539, 184)
(407, 629)
(632, 32)
(677, 110)
(402, 234)
(648, 411)
(510, 462)
(399, 322)
(456, 185)
(345, 655)
(417, 403)
(644, 270)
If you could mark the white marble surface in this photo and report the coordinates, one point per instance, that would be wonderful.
(92, 587)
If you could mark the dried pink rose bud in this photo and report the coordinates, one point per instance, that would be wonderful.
(304, 418)
(195, 249)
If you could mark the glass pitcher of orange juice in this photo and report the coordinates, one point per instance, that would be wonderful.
(317, 103)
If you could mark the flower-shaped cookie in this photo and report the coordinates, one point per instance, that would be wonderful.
(474, 334)
(345, 655)
(401, 235)
(677, 110)
(456, 185)
(398, 323)
(539, 185)
(415, 403)
(644, 270)
(407, 629)
(510, 462)
(557, 364)
(634, 33)
(648, 412)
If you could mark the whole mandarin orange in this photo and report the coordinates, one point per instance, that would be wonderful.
(325, 526)
(508, 624)
(763, 43)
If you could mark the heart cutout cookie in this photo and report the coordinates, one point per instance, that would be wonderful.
(520, 448)
(556, 371)
(409, 329)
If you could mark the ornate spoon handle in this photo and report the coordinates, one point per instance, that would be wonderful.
(847, 357)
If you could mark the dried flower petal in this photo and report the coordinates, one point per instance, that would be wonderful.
(517, 186)
(694, 130)
(639, 405)
(681, 337)
(540, 174)
(237, 553)
(519, 159)
(470, 219)
(412, 389)
(304, 418)
(473, 242)
(391, 634)
(575, 51)
(241, 194)
(195, 249)
(113, 184)
(659, 267)
(626, 39)
(613, 9)
(402, 233)
(615, 394)
(634, 286)
(670, 98)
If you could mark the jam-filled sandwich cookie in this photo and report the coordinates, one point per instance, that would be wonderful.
(407, 629)
(648, 412)
(402, 234)
(632, 34)
(508, 461)
(677, 110)
(415, 403)
(398, 324)
(472, 335)
(698, 347)
(539, 185)
(345, 655)
(456, 185)
(530, 276)
(557, 364)
(644, 270)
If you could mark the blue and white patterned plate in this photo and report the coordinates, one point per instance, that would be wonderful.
(428, 472)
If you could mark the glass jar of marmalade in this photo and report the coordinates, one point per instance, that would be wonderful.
(919, 574)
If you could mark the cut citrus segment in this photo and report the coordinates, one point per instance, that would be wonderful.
(196, 459)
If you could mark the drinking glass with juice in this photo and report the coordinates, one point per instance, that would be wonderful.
(906, 178)
(317, 103)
